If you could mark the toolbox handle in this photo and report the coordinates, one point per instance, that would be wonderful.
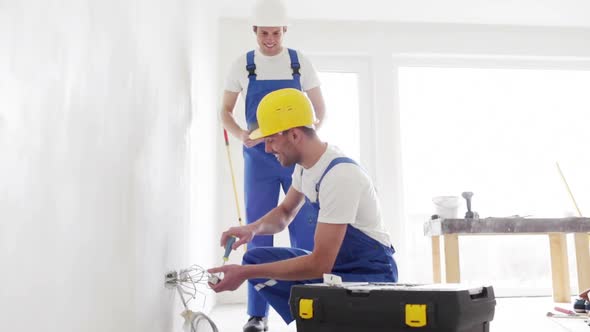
(480, 295)
(358, 293)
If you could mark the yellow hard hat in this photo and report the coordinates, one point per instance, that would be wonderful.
(281, 110)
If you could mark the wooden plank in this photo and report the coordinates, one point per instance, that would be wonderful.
(559, 267)
(452, 273)
(436, 259)
(582, 261)
(507, 226)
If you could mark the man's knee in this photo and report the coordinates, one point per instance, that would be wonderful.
(270, 254)
(256, 256)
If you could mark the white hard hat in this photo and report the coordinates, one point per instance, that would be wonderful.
(270, 13)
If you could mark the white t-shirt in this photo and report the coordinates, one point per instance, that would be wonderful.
(276, 67)
(347, 195)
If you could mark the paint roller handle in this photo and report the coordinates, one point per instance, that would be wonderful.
(228, 247)
(225, 136)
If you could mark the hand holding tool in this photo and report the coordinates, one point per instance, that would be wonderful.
(228, 248)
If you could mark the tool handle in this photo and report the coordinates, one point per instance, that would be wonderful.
(565, 311)
(568, 190)
(233, 178)
(230, 242)
(225, 136)
(233, 181)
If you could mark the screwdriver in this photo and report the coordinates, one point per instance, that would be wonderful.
(213, 279)
(230, 242)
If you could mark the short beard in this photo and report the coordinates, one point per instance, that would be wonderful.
(287, 163)
(290, 161)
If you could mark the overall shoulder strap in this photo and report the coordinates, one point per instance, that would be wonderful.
(250, 65)
(334, 162)
(295, 66)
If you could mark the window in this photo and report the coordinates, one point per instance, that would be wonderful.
(498, 133)
(341, 95)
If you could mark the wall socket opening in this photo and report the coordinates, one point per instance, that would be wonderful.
(171, 279)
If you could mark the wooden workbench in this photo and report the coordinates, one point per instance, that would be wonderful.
(555, 228)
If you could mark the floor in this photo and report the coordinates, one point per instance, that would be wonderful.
(512, 314)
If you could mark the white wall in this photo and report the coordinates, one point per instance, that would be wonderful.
(558, 13)
(385, 45)
(96, 100)
(206, 143)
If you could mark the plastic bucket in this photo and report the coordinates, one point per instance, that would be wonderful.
(446, 206)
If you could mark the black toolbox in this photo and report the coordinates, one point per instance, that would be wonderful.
(390, 307)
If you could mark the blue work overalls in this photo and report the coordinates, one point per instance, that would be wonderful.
(264, 176)
(360, 258)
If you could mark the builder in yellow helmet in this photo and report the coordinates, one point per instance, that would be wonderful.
(268, 68)
(350, 239)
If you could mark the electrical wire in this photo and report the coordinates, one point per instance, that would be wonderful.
(185, 282)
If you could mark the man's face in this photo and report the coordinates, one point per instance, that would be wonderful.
(270, 39)
(283, 148)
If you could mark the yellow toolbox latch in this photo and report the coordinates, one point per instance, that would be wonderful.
(306, 308)
(416, 315)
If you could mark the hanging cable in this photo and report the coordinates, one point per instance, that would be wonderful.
(185, 282)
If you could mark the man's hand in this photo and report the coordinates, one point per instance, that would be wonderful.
(243, 233)
(245, 138)
(233, 277)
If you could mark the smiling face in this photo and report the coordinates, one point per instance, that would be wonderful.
(270, 39)
(282, 146)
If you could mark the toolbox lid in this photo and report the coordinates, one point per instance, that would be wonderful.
(371, 286)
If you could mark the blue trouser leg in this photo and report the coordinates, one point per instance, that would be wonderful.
(275, 292)
(261, 189)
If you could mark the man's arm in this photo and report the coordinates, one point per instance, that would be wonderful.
(328, 239)
(317, 100)
(227, 109)
(271, 223)
(229, 122)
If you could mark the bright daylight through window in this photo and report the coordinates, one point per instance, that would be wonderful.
(499, 134)
(341, 127)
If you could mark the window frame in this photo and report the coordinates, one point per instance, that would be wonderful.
(360, 66)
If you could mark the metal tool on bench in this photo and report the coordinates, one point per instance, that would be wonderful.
(467, 195)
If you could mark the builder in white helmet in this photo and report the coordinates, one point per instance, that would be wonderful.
(268, 68)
